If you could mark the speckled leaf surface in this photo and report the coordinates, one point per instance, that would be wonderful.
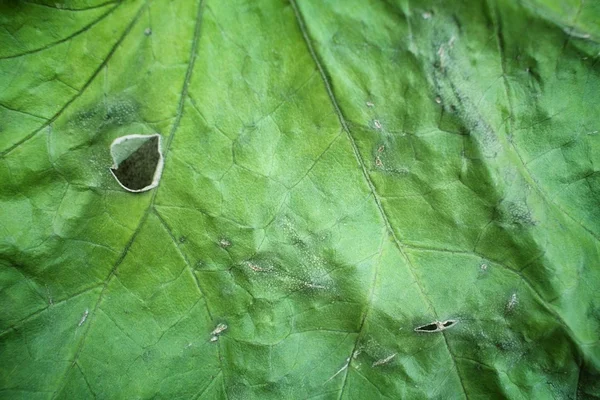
(336, 174)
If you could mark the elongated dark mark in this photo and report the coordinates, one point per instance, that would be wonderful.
(436, 326)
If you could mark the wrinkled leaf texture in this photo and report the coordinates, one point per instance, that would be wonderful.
(337, 173)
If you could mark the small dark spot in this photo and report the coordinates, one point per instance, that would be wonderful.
(504, 346)
(148, 355)
(299, 243)
(182, 239)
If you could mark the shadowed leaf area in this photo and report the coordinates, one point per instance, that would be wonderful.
(360, 199)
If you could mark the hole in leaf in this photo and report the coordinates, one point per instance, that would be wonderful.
(449, 323)
(433, 327)
(436, 326)
(138, 161)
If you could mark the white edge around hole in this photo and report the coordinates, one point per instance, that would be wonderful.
(159, 166)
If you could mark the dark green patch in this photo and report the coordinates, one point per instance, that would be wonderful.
(516, 214)
(106, 115)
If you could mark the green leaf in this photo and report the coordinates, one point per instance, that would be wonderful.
(360, 199)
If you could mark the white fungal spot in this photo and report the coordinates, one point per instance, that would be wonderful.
(217, 331)
(377, 124)
(313, 285)
(451, 41)
(370, 104)
(438, 100)
(385, 360)
(440, 51)
(512, 302)
(50, 300)
(148, 32)
(254, 267)
(483, 267)
(138, 161)
(84, 317)
(427, 15)
(220, 328)
(577, 35)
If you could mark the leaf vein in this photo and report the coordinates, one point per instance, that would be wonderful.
(365, 173)
(83, 88)
(67, 38)
(193, 53)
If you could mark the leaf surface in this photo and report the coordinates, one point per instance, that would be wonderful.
(360, 199)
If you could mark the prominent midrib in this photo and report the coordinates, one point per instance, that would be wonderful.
(144, 218)
(360, 160)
